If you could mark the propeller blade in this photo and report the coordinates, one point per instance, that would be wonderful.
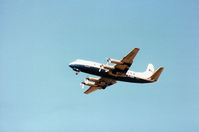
(101, 66)
(82, 84)
(86, 80)
(109, 60)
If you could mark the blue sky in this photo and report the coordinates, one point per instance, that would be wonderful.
(40, 93)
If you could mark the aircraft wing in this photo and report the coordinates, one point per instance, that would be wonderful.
(126, 63)
(91, 89)
(101, 83)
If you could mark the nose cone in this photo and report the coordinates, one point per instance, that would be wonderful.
(71, 65)
(74, 66)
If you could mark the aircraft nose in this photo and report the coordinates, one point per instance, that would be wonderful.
(71, 65)
(74, 66)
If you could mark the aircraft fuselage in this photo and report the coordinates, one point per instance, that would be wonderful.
(94, 69)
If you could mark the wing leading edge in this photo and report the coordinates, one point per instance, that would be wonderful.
(102, 83)
(121, 69)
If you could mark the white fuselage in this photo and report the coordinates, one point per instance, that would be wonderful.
(96, 69)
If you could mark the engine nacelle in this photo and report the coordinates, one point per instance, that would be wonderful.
(114, 61)
(93, 79)
(89, 84)
(108, 67)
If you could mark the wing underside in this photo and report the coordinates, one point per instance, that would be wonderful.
(91, 89)
(121, 69)
(101, 83)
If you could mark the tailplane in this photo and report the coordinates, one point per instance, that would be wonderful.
(156, 74)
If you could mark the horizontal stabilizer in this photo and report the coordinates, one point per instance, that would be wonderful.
(156, 74)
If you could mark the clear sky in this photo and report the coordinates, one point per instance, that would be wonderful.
(40, 93)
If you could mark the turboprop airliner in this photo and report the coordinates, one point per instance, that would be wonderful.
(109, 75)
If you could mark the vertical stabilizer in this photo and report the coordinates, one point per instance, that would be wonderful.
(148, 73)
(150, 68)
(156, 74)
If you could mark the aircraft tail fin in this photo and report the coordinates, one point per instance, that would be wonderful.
(156, 74)
(150, 68)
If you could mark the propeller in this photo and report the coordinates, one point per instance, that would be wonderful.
(108, 60)
(102, 66)
(83, 83)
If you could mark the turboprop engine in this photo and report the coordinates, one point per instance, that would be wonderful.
(106, 67)
(92, 79)
(88, 84)
(114, 61)
(109, 60)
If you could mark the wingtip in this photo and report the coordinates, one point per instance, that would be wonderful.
(85, 92)
(135, 50)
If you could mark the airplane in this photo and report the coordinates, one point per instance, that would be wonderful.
(109, 75)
